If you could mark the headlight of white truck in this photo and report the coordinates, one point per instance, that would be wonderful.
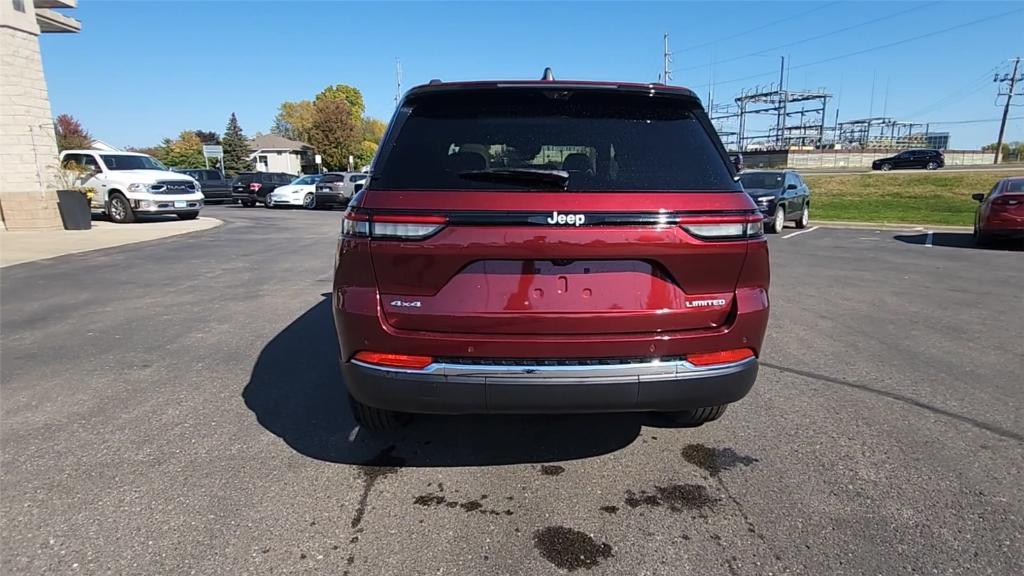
(138, 187)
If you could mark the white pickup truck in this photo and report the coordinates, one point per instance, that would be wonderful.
(128, 184)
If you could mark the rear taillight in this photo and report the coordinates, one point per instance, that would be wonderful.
(255, 186)
(723, 357)
(724, 227)
(391, 226)
(1006, 202)
(406, 361)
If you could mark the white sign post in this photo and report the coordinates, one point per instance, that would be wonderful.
(319, 160)
(214, 151)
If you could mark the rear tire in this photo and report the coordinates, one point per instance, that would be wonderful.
(779, 222)
(376, 419)
(697, 417)
(805, 217)
(188, 215)
(248, 203)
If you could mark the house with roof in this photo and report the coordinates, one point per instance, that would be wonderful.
(274, 153)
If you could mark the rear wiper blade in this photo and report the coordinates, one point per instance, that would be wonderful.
(525, 176)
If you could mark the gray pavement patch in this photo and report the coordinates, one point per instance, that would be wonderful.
(992, 428)
(570, 549)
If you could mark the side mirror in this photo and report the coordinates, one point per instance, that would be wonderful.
(978, 196)
(737, 162)
(357, 188)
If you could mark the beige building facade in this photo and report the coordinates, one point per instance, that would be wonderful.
(28, 147)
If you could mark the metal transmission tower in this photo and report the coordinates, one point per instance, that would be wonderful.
(666, 74)
(1011, 81)
(799, 118)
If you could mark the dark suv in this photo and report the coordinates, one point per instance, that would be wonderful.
(252, 187)
(214, 185)
(781, 195)
(927, 159)
(547, 247)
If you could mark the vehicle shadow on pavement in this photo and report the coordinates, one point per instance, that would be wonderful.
(959, 240)
(295, 391)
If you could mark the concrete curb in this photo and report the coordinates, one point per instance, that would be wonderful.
(20, 247)
(888, 226)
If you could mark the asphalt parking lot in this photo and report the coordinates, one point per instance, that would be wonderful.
(175, 407)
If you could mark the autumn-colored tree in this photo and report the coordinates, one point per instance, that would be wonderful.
(350, 94)
(207, 136)
(70, 134)
(293, 120)
(333, 133)
(373, 130)
(184, 152)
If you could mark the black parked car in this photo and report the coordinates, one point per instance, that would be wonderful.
(925, 158)
(252, 187)
(214, 185)
(781, 195)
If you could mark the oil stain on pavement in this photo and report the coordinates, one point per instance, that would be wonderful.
(570, 549)
(551, 470)
(715, 460)
(675, 497)
(383, 464)
(437, 500)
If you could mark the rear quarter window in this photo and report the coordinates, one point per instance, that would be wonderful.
(606, 141)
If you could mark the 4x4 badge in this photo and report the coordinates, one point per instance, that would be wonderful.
(406, 303)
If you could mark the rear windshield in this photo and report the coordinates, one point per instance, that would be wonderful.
(245, 178)
(604, 141)
(761, 180)
(328, 178)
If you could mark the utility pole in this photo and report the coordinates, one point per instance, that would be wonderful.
(1012, 80)
(398, 80)
(666, 74)
(780, 112)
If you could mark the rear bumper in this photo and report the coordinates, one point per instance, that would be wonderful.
(472, 388)
(325, 199)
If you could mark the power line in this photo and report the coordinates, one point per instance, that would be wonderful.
(978, 121)
(957, 95)
(879, 47)
(759, 27)
(816, 37)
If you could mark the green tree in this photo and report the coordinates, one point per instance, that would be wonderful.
(70, 134)
(364, 154)
(236, 147)
(293, 120)
(184, 152)
(333, 132)
(350, 94)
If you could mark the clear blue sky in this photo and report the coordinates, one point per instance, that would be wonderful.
(141, 71)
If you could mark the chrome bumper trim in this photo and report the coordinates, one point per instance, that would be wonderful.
(648, 371)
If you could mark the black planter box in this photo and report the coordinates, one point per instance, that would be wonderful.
(74, 210)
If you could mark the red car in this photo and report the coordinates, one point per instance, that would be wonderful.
(1001, 212)
(550, 247)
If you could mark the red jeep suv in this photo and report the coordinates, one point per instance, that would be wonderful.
(549, 247)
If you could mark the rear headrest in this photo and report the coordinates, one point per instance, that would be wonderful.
(578, 162)
(467, 161)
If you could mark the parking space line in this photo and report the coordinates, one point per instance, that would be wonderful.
(928, 240)
(811, 229)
